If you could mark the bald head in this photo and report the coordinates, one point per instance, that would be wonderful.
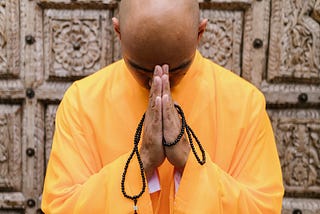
(133, 11)
(164, 26)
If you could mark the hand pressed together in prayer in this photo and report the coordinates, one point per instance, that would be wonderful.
(162, 121)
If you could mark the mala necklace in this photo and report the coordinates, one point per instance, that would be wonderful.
(137, 136)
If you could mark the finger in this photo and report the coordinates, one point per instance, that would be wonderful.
(156, 79)
(170, 120)
(165, 80)
(166, 85)
(157, 116)
(156, 86)
(158, 70)
(157, 83)
(165, 69)
(155, 91)
(169, 112)
(153, 123)
(166, 109)
(171, 124)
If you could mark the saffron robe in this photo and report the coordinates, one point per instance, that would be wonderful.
(94, 132)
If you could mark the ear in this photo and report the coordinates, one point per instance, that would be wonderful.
(202, 28)
(116, 26)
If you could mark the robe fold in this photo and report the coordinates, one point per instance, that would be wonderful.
(94, 131)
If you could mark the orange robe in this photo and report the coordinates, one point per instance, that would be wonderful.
(95, 126)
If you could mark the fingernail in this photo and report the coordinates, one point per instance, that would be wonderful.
(165, 97)
(157, 70)
(165, 68)
(158, 100)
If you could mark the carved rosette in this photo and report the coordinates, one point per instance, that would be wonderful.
(221, 41)
(76, 49)
(295, 41)
(298, 139)
(10, 148)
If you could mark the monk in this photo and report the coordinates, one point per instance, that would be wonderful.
(107, 158)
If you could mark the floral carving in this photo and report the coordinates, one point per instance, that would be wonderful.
(222, 38)
(218, 41)
(4, 143)
(299, 171)
(3, 62)
(76, 47)
(300, 41)
(299, 150)
(10, 148)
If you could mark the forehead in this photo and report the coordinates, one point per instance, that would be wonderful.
(150, 56)
(147, 63)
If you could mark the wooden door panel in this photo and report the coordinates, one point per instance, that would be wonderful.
(77, 43)
(294, 42)
(222, 39)
(10, 155)
(9, 38)
(293, 74)
(10, 147)
(11, 87)
(298, 133)
(12, 115)
(292, 89)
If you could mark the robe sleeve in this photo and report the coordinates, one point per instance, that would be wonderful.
(76, 180)
(255, 186)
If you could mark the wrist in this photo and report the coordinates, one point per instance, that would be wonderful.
(147, 166)
(178, 154)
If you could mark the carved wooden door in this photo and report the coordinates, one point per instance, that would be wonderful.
(292, 88)
(45, 45)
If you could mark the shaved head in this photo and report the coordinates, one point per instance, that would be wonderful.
(157, 32)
